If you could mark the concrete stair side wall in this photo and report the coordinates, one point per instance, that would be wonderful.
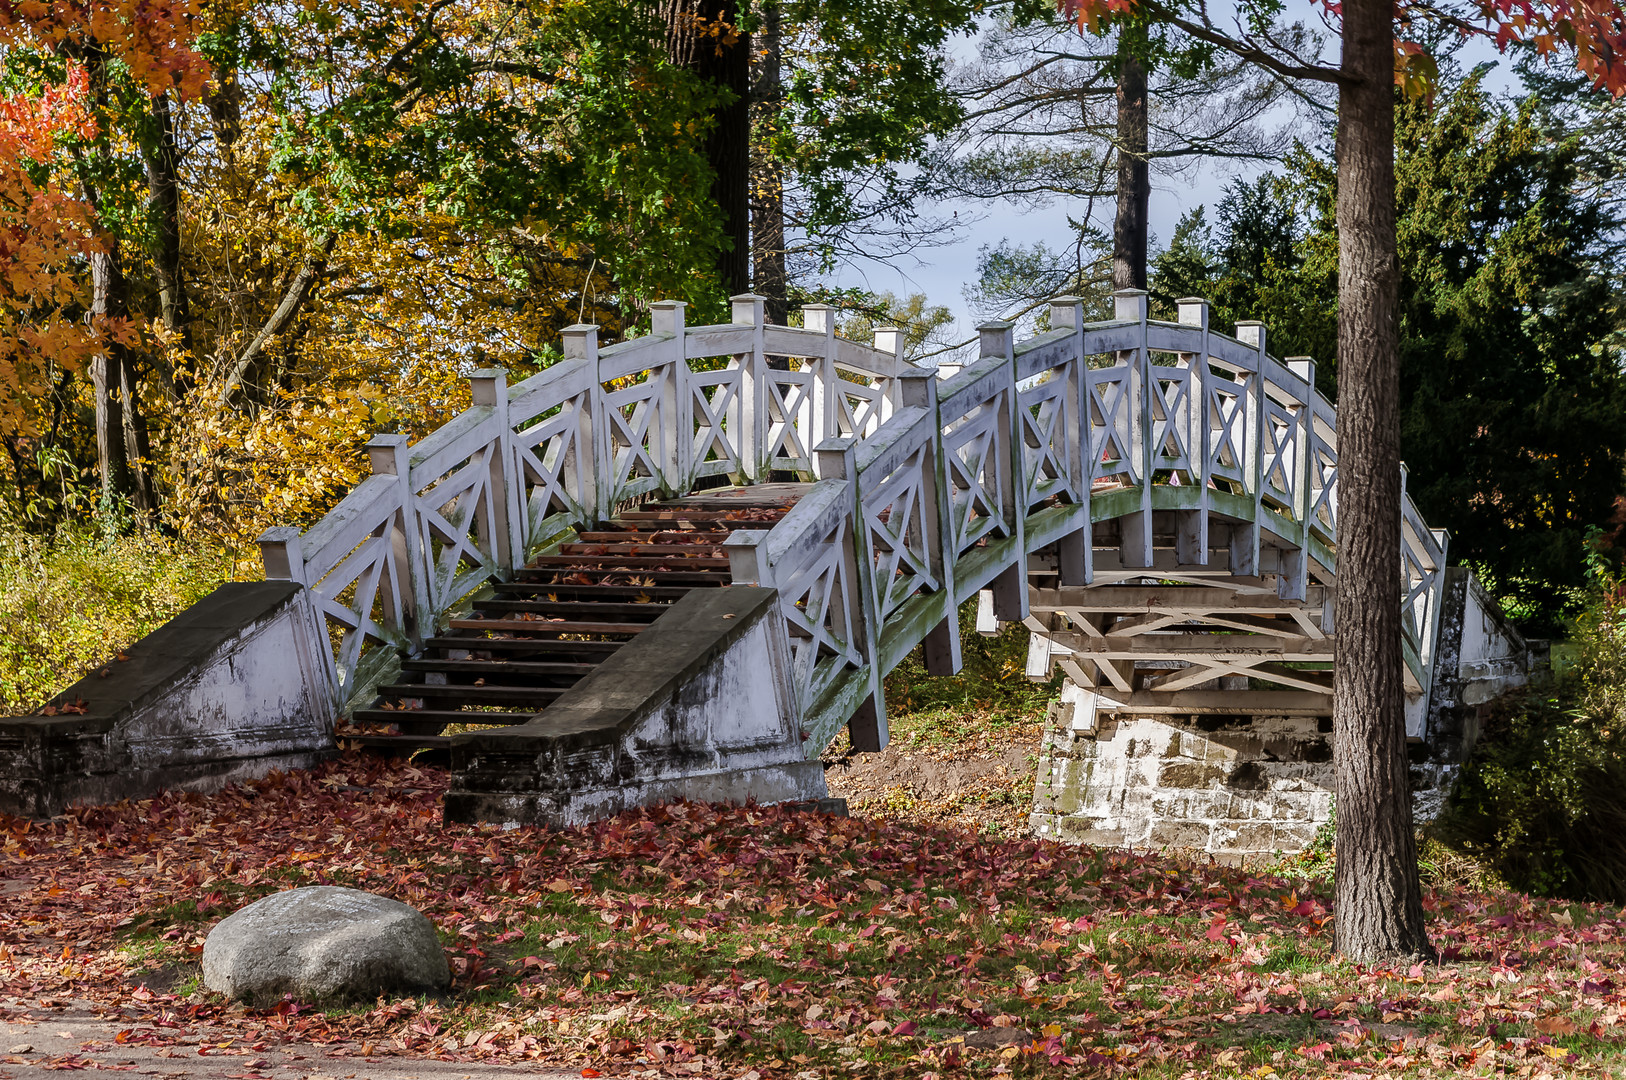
(229, 689)
(699, 706)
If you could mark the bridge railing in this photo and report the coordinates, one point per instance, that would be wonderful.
(932, 485)
(522, 465)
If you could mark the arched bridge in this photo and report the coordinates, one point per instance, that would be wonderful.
(1156, 501)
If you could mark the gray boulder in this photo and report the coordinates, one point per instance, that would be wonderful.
(324, 943)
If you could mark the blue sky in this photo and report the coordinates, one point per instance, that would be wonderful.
(949, 268)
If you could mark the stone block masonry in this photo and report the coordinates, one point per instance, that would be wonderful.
(1235, 786)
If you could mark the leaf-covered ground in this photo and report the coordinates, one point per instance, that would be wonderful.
(696, 941)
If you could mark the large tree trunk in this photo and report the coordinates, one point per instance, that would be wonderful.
(768, 278)
(121, 431)
(1134, 179)
(1379, 910)
(161, 159)
(703, 37)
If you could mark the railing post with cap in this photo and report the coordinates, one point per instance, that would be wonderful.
(890, 340)
(1010, 588)
(488, 388)
(825, 422)
(1245, 555)
(747, 553)
(1135, 536)
(581, 343)
(671, 444)
(837, 459)
(1294, 580)
(390, 455)
(1074, 550)
(1191, 534)
(284, 561)
(749, 417)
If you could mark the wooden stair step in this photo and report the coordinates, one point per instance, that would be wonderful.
(651, 610)
(641, 551)
(498, 667)
(640, 535)
(405, 718)
(471, 643)
(535, 588)
(611, 563)
(473, 695)
(398, 745)
(539, 626)
(670, 577)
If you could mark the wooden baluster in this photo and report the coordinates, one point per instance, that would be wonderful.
(1191, 528)
(1135, 530)
(748, 415)
(488, 388)
(1245, 538)
(1073, 551)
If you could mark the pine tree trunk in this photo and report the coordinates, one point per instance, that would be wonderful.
(1379, 911)
(1134, 179)
(702, 36)
(768, 279)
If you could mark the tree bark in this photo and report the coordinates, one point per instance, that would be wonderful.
(703, 37)
(1134, 179)
(1379, 911)
(246, 386)
(161, 160)
(769, 279)
(121, 430)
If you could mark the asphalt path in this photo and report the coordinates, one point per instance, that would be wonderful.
(43, 1044)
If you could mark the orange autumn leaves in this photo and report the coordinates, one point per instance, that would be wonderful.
(45, 235)
(48, 231)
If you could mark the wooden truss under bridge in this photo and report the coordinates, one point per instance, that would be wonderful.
(1156, 501)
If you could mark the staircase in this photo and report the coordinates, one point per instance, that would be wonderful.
(563, 615)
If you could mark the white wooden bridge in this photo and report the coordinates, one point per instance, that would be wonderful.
(1156, 501)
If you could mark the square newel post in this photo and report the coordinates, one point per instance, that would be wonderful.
(918, 389)
(1074, 554)
(279, 551)
(747, 551)
(1245, 539)
(825, 420)
(837, 459)
(284, 561)
(1191, 532)
(488, 388)
(671, 444)
(997, 340)
(891, 340)
(390, 455)
(580, 342)
(1294, 578)
(749, 416)
(1135, 530)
